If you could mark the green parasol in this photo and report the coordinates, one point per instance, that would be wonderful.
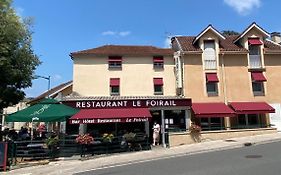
(47, 110)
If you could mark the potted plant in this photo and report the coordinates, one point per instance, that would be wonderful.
(195, 132)
(52, 143)
(107, 137)
(84, 140)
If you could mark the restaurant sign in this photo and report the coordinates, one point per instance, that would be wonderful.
(109, 120)
(100, 104)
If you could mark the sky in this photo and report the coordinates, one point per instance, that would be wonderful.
(64, 26)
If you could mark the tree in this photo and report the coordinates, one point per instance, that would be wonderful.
(17, 59)
(229, 32)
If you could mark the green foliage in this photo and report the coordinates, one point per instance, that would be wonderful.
(17, 59)
(229, 32)
(52, 141)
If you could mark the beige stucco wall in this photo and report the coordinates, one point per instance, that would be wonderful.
(237, 79)
(273, 74)
(235, 83)
(91, 76)
(177, 139)
(195, 80)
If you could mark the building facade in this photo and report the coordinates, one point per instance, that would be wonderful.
(126, 88)
(232, 81)
(225, 74)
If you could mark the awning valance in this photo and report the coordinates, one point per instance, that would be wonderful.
(124, 115)
(114, 58)
(255, 41)
(258, 76)
(212, 78)
(158, 81)
(158, 59)
(252, 107)
(114, 81)
(212, 110)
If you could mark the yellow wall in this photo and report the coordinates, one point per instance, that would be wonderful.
(235, 75)
(91, 76)
(195, 80)
(273, 75)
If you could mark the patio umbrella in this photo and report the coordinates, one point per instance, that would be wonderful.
(47, 110)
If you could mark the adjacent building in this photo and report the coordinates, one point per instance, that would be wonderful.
(232, 80)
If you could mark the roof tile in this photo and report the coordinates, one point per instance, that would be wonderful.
(125, 50)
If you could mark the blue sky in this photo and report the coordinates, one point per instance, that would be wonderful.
(64, 26)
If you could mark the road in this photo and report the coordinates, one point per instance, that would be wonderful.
(251, 160)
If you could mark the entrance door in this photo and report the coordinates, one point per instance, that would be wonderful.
(156, 118)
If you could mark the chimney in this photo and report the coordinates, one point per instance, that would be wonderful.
(276, 37)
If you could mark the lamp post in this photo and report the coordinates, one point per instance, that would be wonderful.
(46, 78)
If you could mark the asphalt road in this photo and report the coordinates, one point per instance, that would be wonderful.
(251, 160)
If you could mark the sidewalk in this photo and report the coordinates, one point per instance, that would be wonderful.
(74, 166)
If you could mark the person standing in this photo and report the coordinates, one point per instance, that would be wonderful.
(156, 133)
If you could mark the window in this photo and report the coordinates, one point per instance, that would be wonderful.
(254, 52)
(175, 120)
(158, 62)
(212, 84)
(257, 83)
(212, 123)
(209, 54)
(247, 121)
(158, 86)
(114, 62)
(114, 86)
(258, 89)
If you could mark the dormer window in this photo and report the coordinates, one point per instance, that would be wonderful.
(209, 54)
(255, 52)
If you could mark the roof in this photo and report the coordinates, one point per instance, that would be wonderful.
(209, 27)
(124, 50)
(253, 25)
(272, 47)
(74, 98)
(226, 45)
(52, 91)
(186, 43)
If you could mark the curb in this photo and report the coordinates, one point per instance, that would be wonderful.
(234, 146)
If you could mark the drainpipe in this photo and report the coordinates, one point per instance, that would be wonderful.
(227, 119)
(223, 79)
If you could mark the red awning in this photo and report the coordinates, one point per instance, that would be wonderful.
(258, 76)
(158, 59)
(212, 110)
(114, 58)
(252, 107)
(255, 41)
(126, 115)
(212, 77)
(158, 81)
(114, 81)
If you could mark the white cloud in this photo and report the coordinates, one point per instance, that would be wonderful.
(114, 33)
(167, 42)
(243, 7)
(19, 11)
(125, 33)
(108, 33)
(57, 77)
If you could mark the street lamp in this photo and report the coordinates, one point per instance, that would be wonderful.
(46, 78)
